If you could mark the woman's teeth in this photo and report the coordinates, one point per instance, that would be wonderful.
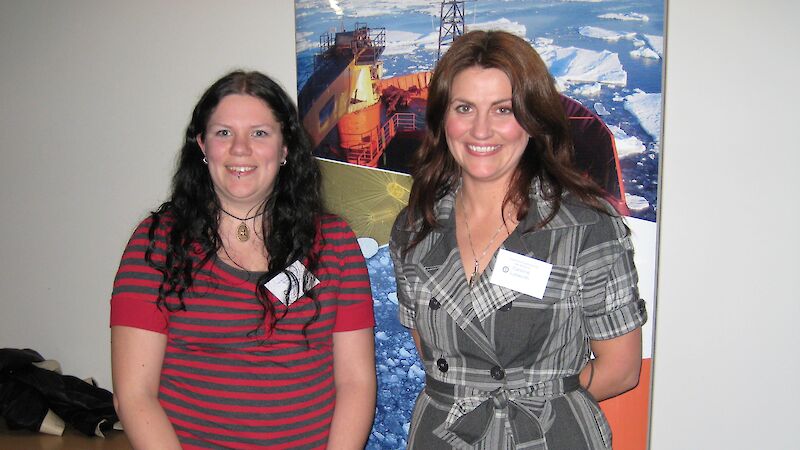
(483, 148)
(239, 170)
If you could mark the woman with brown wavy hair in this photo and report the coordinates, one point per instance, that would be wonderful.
(514, 274)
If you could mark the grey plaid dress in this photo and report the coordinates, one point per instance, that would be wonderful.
(501, 366)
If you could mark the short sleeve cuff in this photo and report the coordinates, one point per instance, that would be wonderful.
(356, 317)
(131, 313)
(623, 320)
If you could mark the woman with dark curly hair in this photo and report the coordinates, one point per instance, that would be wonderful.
(241, 315)
(512, 269)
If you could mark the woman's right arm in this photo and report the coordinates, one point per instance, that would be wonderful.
(136, 358)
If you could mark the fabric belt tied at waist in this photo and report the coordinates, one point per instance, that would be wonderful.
(473, 410)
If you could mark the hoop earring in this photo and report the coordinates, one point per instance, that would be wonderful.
(283, 163)
(205, 160)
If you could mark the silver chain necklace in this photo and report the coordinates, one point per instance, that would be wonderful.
(475, 258)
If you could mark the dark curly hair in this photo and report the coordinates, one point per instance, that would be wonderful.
(537, 107)
(291, 211)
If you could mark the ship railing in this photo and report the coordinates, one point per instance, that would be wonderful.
(368, 153)
(365, 36)
(378, 37)
(368, 43)
(405, 122)
(327, 41)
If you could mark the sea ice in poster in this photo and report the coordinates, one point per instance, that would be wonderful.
(607, 55)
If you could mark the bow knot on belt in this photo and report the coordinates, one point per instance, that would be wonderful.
(473, 410)
(499, 398)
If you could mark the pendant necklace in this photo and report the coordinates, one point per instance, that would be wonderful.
(242, 232)
(475, 257)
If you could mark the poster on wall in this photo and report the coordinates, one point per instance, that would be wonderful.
(363, 68)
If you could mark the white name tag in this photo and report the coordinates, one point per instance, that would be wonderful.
(521, 273)
(279, 285)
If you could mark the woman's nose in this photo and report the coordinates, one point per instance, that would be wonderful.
(241, 144)
(481, 126)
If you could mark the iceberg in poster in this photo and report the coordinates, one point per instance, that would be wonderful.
(645, 52)
(572, 64)
(626, 145)
(647, 109)
(656, 43)
(632, 16)
(602, 33)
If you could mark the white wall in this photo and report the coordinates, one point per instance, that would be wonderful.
(94, 97)
(726, 357)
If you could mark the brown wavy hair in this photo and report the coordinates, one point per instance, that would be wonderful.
(537, 107)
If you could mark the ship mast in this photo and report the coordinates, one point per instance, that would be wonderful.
(451, 24)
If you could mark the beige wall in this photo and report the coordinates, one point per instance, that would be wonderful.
(94, 97)
(726, 357)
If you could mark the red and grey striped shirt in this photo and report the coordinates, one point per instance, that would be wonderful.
(225, 385)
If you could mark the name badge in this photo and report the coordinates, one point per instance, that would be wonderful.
(521, 273)
(279, 285)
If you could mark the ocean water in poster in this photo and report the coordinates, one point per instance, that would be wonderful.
(607, 55)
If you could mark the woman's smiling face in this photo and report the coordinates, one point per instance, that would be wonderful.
(244, 147)
(482, 133)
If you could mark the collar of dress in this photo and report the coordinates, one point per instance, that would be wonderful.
(570, 214)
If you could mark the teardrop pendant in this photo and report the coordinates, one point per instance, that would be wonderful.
(242, 232)
(474, 275)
